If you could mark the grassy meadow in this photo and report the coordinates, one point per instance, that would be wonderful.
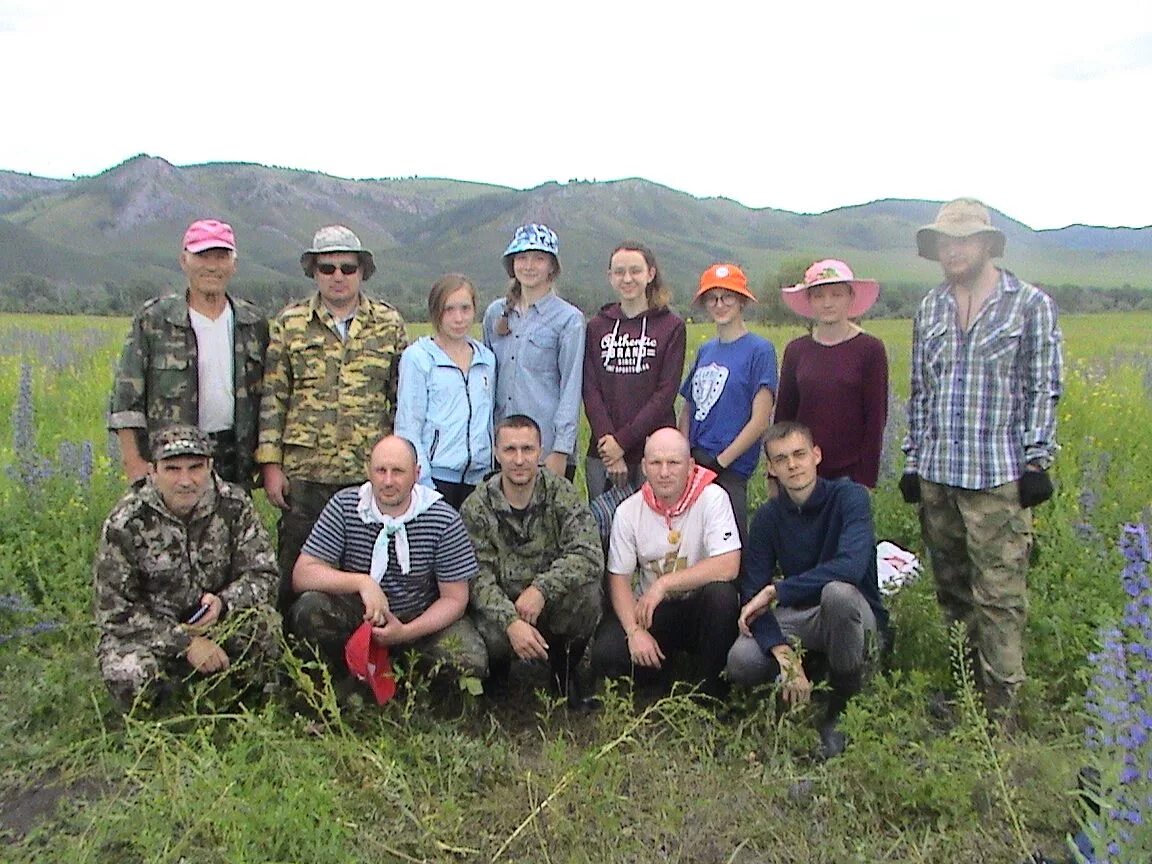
(440, 776)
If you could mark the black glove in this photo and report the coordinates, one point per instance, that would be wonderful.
(910, 488)
(706, 460)
(1035, 488)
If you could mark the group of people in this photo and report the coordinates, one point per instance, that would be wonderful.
(425, 489)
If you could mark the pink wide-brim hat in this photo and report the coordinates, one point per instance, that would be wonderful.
(830, 271)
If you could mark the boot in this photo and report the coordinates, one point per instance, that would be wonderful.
(565, 663)
(844, 686)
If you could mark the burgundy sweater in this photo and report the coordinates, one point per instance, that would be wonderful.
(840, 392)
(632, 370)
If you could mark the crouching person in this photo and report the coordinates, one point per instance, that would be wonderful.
(390, 554)
(538, 593)
(185, 578)
(672, 562)
(818, 533)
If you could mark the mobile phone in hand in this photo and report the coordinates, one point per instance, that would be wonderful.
(199, 613)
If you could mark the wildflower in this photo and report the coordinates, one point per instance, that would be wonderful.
(1121, 700)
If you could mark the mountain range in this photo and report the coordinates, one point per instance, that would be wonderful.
(125, 225)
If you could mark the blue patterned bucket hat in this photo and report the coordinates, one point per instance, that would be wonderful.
(533, 236)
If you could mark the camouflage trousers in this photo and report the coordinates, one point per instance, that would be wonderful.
(250, 637)
(305, 502)
(328, 620)
(979, 543)
(568, 619)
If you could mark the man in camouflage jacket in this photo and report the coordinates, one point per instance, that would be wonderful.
(538, 591)
(329, 391)
(184, 547)
(158, 380)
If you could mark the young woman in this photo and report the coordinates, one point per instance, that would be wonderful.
(447, 388)
(538, 340)
(729, 392)
(835, 380)
(633, 360)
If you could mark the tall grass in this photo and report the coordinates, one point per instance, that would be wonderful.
(438, 776)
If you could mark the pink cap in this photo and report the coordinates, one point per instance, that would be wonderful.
(209, 234)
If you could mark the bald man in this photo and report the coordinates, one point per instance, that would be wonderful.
(672, 562)
(391, 553)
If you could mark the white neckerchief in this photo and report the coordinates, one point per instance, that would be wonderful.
(369, 512)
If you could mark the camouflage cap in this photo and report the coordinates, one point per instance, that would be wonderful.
(337, 238)
(179, 440)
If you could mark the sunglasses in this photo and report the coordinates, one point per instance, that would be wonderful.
(329, 269)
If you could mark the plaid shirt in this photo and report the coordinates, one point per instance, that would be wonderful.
(983, 402)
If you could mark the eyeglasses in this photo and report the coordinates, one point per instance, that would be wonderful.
(346, 269)
(718, 298)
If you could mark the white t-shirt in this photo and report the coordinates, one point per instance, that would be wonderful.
(214, 366)
(643, 544)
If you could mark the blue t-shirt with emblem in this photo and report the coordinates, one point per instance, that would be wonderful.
(725, 378)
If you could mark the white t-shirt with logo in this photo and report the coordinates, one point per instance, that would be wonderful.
(214, 362)
(643, 544)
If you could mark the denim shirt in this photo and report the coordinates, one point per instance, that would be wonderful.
(539, 367)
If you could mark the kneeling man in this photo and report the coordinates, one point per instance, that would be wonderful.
(185, 577)
(672, 562)
(818, 534)
(538, 592)
(393, 554)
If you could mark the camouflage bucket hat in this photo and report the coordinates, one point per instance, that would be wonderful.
(960, 218)
(337, 238)
(179, 440)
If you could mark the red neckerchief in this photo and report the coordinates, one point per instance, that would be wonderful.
(697, 481)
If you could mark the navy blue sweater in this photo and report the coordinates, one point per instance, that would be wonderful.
(829, 538)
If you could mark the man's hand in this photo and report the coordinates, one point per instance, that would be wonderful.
(530, 604)
(527, 641)
(215, 608)
(756, 607)
(644, 649)
(1035, 487)
(557, 463)
(135, 468)
(275, 484)
(394, 631)
(646, 605)
(910, 488)
(205, 656)
(795, 688)
(375, 603)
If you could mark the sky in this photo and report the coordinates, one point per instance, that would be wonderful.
(1046, 115)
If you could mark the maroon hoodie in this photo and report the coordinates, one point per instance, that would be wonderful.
(632, 371)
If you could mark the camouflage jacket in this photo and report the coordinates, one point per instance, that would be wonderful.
(157, 379)
(327, 400)
(152, 568)
(554, 545)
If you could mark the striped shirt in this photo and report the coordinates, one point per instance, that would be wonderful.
(438, 547)
(983, 402)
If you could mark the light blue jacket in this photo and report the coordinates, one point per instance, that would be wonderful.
(447, 415)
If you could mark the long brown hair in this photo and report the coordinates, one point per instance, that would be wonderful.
(656, 291)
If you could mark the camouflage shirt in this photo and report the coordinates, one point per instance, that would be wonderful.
(553, 544)
(327, 400)
(157, 379)
(152, 567)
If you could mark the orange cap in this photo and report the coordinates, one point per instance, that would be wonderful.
(724, 276)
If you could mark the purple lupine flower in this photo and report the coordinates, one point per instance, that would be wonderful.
(1121, 700)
